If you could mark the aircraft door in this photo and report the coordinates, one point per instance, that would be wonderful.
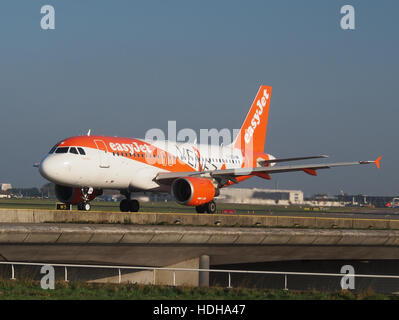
(103, 154)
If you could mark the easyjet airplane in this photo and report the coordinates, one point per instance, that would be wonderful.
(83, 166)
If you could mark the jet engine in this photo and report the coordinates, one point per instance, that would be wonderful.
(74, 195)
(192, 191)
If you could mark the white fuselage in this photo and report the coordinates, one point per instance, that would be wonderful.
(122, 167)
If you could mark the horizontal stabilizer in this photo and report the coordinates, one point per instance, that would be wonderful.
(376, 162)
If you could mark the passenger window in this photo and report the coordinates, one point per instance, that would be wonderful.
(62, 150)
(81, 151)
(73, 150)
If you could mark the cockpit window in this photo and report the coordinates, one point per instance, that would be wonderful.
(62, 150)
(81, 151)
(73, 150)
(53, 149)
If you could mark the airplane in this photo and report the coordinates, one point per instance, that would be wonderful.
(81, 167)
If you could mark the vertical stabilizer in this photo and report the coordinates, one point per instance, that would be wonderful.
(252, 135)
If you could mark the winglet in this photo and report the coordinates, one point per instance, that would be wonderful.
(377, 162)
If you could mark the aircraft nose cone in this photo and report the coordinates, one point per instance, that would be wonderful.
(53, 169)
(47, 168)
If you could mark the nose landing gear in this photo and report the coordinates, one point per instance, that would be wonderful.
(86, 193)
(84, 206)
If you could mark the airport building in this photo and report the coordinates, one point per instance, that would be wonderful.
(261, 196)
(3, 190)
(5, 186)
(362, 200)
(324, 200)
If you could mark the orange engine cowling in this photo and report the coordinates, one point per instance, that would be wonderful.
(73, 195)
(192, 191)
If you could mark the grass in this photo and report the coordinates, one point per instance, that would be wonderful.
(31, 290)
(176, 208)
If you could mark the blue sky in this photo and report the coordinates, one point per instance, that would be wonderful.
(123, 67)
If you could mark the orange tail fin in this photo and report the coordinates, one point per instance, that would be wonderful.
(252, 135)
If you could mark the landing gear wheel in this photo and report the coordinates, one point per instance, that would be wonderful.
(210, 207)
(200, 209)
(84, 206)
(124, 206)
(134, 206)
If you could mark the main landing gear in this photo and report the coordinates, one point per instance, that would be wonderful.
(209, 207)
(129, 205)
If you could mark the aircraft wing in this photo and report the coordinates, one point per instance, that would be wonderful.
(231, 174)
(264, 162)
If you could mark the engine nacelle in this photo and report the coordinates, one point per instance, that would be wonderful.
(71, 195)
(192, 191)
